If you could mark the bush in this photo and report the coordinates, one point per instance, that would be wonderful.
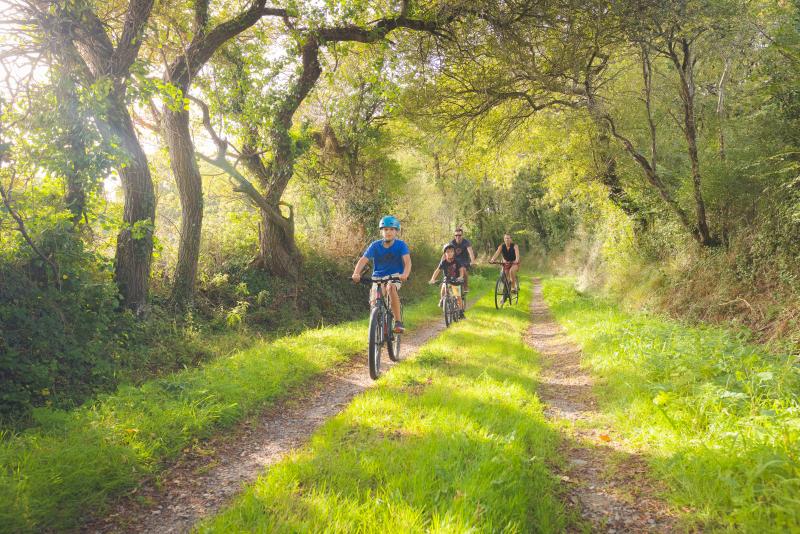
(53, 338)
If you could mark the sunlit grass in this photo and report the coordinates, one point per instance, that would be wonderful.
(720, 417)
(70, 463)
(452, 441)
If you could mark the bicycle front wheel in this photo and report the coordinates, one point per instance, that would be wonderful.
(375, 342)
(499, 293)
(394, 340)
(448, 311)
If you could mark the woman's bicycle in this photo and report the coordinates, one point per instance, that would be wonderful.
(381, 325)
(502, 289)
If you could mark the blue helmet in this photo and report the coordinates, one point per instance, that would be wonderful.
(389, 222)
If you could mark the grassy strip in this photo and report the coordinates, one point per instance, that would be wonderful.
(720, 417)
(452, 441)
(72, 462)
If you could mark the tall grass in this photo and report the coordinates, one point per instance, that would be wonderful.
(721, 417)
(71, 462)
(453, 441)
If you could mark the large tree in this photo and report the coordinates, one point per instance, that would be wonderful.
(180, 72)
(85, 44)
(269, 151)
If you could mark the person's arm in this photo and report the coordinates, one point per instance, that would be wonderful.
(360, 264)
(471, 254)
(516, 251)
(406, 267)
(496, 252)
(434, 275)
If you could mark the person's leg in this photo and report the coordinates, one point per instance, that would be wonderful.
(442, 292)
(513, 273)
(394, 301)
(465, 276)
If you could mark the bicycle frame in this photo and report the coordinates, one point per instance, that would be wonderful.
(505, 280)
(381, 320)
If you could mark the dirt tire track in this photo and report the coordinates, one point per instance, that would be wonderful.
(606, 484)
(203, 480)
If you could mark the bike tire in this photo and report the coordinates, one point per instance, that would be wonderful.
(375, 342)
(393, 344)
(499, 293)
(448, 315)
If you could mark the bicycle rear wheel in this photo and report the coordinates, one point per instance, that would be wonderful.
(375, 342)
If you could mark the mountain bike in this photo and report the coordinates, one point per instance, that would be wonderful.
(450, 307)
(381, 325)
(502, 289)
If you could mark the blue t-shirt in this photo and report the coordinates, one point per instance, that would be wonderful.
(386, 261)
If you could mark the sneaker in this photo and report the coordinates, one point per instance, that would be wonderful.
(515, 290)
(462, 315)
(398, 327)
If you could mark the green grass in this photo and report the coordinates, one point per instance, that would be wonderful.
(720, 417)
(70, 463)
(451, 441)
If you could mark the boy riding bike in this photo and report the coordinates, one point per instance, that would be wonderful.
(390, 256)
(452, 269)
(464, 253)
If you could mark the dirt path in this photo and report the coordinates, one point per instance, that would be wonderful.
(208, 476)
(606, 484)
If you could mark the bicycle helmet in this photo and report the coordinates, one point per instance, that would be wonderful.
(449, 245)
(389, 222)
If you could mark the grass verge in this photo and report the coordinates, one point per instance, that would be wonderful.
(452, 441)
(72, 462)
(720, 417)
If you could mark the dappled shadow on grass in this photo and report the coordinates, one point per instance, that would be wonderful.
(465, 469)
(452, 441)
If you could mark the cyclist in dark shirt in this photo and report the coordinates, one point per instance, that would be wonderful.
(452, 270)
(464, 253)
(510, 252)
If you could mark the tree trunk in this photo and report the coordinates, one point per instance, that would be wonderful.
(190, 191)
(278, 251)
(608, 172)
(135, 240)
(67, 101)
(686, 70)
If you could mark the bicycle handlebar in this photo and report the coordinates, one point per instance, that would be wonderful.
(378, 280)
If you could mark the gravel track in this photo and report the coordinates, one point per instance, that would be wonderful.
(604, 482)
(208, 476)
